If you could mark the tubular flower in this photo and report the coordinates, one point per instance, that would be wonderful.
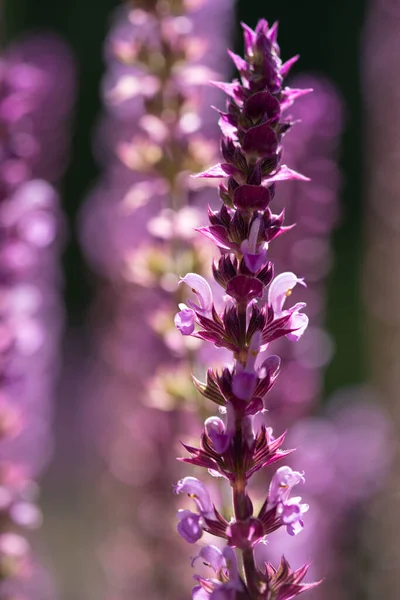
(226, 585)
(280, 289)
(289, 509)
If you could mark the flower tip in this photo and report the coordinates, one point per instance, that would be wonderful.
(245, 26)
(273, 32)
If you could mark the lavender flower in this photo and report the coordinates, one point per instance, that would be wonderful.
(254, 316)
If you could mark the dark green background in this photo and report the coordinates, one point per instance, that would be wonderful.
(326, 34)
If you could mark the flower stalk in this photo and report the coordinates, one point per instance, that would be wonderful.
(253, 315)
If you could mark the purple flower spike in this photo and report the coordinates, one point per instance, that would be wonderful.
(35, 106)
(254, 315)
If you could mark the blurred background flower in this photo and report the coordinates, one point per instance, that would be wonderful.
(35, 115)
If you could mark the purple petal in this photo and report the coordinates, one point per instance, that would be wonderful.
(299, 323)
(249, 37)
(262, 27)
(254, 262)
(281, 287)
(260, 141)
(222, 593)
(184, 320)
(289, 95)
(198, 492)
(201, 288)
(218, 234)
(233, 89)
(212, 556)
(213, 172)
(270, 367)
(284, 173)
(231, 561)
(215, 429)
(255, 197)
(295, 528)
(189, 526)
(290, 513)
(228, 129)
(260, 104)
(282, 483)
(285, 68)
(244, 288)
(238, 61)
(199, 593)
(244, 384)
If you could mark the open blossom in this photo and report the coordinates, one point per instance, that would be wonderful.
(280, 289)
(198, 491)
(190, 525)
(289, 509)
(201, 288)
(226, 583)
(186, 318)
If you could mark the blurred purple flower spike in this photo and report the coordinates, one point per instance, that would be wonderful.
(136, 227)
(35, 107)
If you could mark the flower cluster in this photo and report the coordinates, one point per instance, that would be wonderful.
(255, 313)
(34, 113)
